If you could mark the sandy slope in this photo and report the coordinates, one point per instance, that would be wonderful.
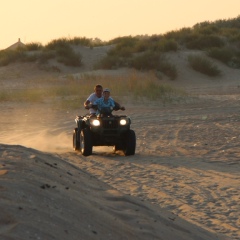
(183, 182)
(187, 157)
(43, 197)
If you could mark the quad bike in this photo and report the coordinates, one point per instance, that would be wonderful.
(105, 129)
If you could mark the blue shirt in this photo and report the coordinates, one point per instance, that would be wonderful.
(92, 99)
(101, 103)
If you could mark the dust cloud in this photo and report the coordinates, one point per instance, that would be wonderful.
(43, 141)
(36, 127)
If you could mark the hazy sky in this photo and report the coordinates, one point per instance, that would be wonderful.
(45, 20)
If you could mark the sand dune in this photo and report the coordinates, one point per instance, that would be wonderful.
(44, 197)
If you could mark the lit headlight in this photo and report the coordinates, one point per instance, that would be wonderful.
(96, 122)
(123, 122)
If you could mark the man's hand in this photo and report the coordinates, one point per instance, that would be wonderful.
(88, 106)
(122, 108)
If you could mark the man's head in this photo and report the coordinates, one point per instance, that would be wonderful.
(98, 89)
(106, 93)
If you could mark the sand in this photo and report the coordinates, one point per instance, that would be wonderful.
(182, 183)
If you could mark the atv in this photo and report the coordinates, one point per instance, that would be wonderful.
(105, 129)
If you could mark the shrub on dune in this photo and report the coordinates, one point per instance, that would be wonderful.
(203, 65)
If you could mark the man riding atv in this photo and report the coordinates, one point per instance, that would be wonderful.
(102, 128)
(98, 94)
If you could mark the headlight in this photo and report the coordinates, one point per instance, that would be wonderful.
(96, 122)
(123, 122)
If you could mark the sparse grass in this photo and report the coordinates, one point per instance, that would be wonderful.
(203, 65)
(22, 95)
(73, 93)
(135, 85)
(152, 90)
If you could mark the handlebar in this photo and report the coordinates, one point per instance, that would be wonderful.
(117, 107)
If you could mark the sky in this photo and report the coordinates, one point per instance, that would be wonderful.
(45, 20)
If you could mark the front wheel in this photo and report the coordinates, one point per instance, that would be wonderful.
(76, 143)
(130, 143)
(86, 142)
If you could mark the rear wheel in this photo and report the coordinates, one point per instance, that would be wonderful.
(86, 142)
(130, 143)
(76, 142)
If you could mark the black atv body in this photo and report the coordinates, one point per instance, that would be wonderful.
(104, 130)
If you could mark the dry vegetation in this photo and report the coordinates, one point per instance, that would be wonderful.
(220, 40)
(70, 92)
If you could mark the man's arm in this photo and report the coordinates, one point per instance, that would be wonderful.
(88, 101)
(86, 104)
